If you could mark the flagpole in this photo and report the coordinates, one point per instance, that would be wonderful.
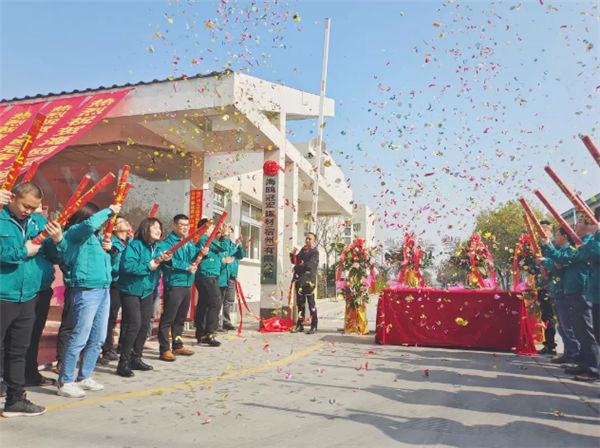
(319, 148)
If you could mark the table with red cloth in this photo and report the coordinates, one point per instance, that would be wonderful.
(449, 318)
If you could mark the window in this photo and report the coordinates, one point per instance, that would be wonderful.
(356, 228)
(219, 202)
(250, 225)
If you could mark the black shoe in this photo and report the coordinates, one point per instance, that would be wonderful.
(299, 328)
(221, 330)
(563, 359)
(578, 370)
(124, 370)
(212, 342)
(41, 381)
(110, 356)
(22, 408)
(313, 330)
(228, 327)
(547, 351)
(138, 364)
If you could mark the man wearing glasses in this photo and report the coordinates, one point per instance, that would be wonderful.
(178, 278)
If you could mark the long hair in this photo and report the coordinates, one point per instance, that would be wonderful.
(143, 231)
(82, 214)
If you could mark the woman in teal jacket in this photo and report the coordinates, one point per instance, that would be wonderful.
(138, 277)
(89, 265)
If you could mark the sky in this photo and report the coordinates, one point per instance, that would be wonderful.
(443, 108)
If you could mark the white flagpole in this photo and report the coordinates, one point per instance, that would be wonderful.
(319, 149)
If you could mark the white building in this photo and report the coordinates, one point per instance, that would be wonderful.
(211, 133)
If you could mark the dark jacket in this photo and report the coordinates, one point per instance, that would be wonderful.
(306, 263)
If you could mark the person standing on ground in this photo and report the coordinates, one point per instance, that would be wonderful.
(229, 270)
(545, 300)
(178, 278)
(89, 265)
(306, 263)
(119, 240)
(206, 317)
(20, 280)
(138, 277)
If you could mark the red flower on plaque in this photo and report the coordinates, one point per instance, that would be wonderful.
(270, 168)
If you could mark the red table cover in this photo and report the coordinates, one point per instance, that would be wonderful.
(449, 318)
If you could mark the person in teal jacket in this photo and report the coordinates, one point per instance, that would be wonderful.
(47, 258)
(562, 243)
(89, 266)
(206, 317)
(234, 252)
(178, 278)
(138, 277)
(20, 281)
(590, 252)
(119, 240)
(575, 272)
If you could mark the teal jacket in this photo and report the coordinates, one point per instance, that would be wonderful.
(176, 273)
(118, 246)
(574, 270)
(88, 263)
(590, 253)
(135, 276)
(20, 275)
(229, 271)
(210, 266)
(49, 255)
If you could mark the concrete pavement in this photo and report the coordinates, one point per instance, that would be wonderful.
(324, 390)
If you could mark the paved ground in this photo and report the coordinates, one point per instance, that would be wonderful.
(325, 390)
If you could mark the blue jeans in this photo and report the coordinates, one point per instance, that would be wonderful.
(565, 327)
(90, 320)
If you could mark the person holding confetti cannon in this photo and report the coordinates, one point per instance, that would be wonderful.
(178, 278)
(234, 252)
(139, 273)
(206, 318)
(20, 277)
(120, 239)
(90, 277)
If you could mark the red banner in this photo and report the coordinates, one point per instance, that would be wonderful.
(195, 209)
(15, 122)
(68, 119)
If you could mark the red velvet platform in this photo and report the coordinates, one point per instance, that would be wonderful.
(449, 318)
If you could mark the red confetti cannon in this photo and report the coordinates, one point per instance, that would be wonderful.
(78, 191)
(532, 217)
(592, 148)
(196, 232)
(584, 205)
(122, 191)
(534, 245)
(19, 160)
(31, 172)
(559, 218)
(77, 204)
(210, 238)
(569, 194)
(153, 211)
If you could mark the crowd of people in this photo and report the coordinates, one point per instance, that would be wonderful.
(101, 275)
(568, 285)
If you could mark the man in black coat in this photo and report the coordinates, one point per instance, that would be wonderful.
(306, 263)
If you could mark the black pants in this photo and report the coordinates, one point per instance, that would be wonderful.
(596, 320)
(206, 318)
(16, 325)
(548, 318)
(136, 318)
(66, 324)
(305, 292)
(228, 299)
(175, 310)
(32, 374)
(115, 304)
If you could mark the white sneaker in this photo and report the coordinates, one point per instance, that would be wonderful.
(70, 390)
(90, 384)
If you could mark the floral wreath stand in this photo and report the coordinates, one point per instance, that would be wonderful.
(355, 260)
